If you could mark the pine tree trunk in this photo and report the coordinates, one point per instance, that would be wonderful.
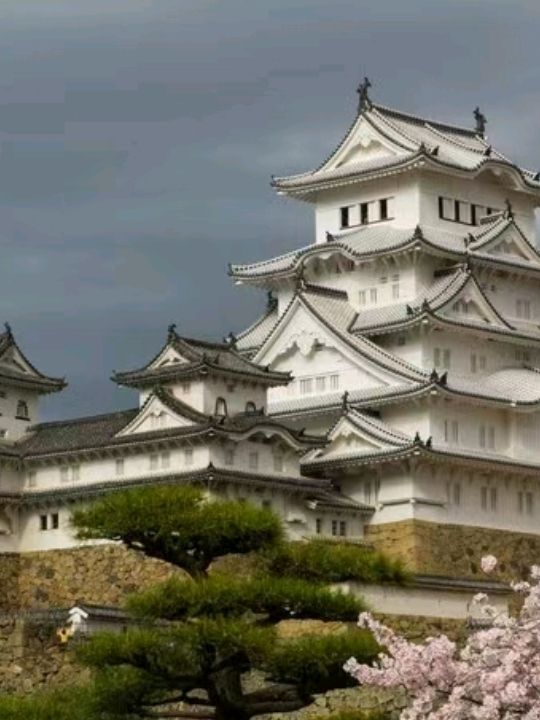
(225, 693)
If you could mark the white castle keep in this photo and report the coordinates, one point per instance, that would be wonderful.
(395, 375)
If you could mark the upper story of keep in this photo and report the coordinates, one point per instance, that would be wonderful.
(404, 171)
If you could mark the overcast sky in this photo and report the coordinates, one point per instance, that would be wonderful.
(138, 138)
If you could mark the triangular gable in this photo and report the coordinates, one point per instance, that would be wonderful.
(14, 359)
(155, 415)
(509, 242)
(363, 143)
(358, 434)
(300, 340)
(167, 357)
(471, 305)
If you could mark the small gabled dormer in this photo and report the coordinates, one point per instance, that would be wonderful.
(212, 378)
(21, 386)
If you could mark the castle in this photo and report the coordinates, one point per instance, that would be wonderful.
(390, 393)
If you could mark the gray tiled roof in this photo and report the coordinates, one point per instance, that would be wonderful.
(12, 375)
(521, 385)
(201, 355)
(373, 240)
(439, 145)
(254, 336)
(102, 430)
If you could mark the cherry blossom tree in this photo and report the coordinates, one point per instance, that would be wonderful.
(495, 676)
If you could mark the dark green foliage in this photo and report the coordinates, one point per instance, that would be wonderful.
(202, 634)
(177, 524)
(333, 562)
(357, 715)
(315, 664)
(277, 598)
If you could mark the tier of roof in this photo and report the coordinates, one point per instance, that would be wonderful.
(371, 241)
(192, 358)
(409, 142)
(17, 371)
(106, 432)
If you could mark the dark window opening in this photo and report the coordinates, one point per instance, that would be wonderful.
(250, 407)
(318, 526)
(54, 521)
(364, 214)
(456, 210)
(473, 215)
(22, 410)
(221, 407)
(383, 209)
(43, 522)
(344, 212)
(334, 527)
(343, 528)
(441, 208)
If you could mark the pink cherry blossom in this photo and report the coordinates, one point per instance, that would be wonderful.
(494, 676)
(488, 563)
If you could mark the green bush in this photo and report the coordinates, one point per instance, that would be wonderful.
(315, 663)
(333, 562)
(277, 598)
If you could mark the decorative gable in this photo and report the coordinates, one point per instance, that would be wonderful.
(363, 144)
(306, 346)
(471, 305)
(155, 415)
(169, 356)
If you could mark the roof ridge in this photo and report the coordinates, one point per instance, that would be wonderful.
(327, 291)
(82, 420)
(416, 118)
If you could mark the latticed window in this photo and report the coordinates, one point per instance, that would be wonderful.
(221, 407)
(22, 410)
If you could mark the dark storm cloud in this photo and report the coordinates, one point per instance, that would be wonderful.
(137, 140)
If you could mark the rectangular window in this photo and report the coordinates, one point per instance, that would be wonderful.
(482, 362)
(120, 466)
(154, 461)
(482, 436)
(32, 478)
(446, 431)
(491, 437)
(334, 382)
(344, 216)
(493, 498)
(367, 492)
(484, 498)
(334, 527)
(55, 522)
(383, 209)
(474, 363)
(520, 502)
(456, 494)
(373, 295)
(306, 386)
(362, 297)
(395, 291)
(75, 472)
(455, 432)
(278, 463)
(188, 457)
(253, 460)
(165, 459)
(364, 213)
(437, 357)
(523, 309)
(474, 216)
(318, 526)
(229, 456)
(446, 359)
(343, 528)
(43, 522)
(457, 208)
(321, 384)
(383, 279)
(529, 503)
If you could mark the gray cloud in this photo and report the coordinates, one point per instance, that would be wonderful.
(137, 140)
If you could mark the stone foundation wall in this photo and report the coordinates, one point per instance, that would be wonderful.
(100, 575)
(455, 550)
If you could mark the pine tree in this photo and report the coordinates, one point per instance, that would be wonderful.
(194, 641)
